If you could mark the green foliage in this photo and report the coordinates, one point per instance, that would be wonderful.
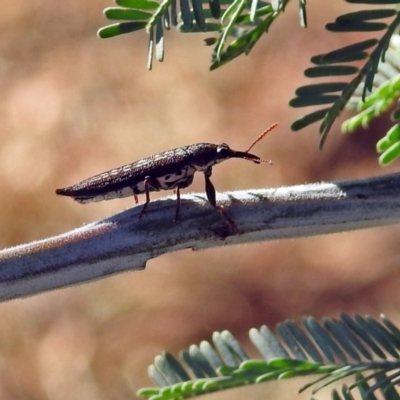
(375, 104)
(237, 24)
(335, 63)
(360, 347)
(389, 146)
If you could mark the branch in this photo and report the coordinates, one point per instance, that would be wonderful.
(123, 242)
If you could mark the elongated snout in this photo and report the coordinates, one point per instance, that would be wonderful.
(248, 156)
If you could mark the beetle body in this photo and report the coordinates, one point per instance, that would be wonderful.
(171, 170)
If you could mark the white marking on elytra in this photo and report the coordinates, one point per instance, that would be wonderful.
(202, 168)
(111, 195)
(139, 188)
(91, 199)
(171, 181)
(125, 192)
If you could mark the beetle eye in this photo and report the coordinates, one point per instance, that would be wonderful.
(222, 147)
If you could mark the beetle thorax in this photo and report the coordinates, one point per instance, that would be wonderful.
(202, 167)
(206, 155)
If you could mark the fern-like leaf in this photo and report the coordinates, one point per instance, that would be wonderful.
(238, 24)
(383, 96)
(360, 347)
(327, 64)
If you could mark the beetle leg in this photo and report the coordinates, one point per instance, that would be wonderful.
(210, 191)
(178, 202)
(147, 192)
(136, 199)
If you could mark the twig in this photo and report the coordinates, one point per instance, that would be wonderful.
(123, 242)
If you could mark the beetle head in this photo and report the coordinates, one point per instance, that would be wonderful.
(205, 155)
(224, 152)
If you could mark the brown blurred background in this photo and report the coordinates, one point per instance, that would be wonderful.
(72, 105)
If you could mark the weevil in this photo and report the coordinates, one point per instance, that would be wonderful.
(171, 170)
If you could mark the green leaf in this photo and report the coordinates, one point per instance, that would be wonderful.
(367, 15)
(309, 119)
(322, 59)
(337, 107)
(253, 9)
(394, 133)
(159, 41)
(330, 70)
(395, 116)
(320, 88)
(353, 26)
(343, 54)
(302, 13)
(215, 8)
(138, 4)
(284, 363)
(305, 101)
(233, 12)
(199, 14)
(269, 376)
(383, 144)
(390, 155)
(147, 392)
(186, 14)
(120, 29)
(116, 13)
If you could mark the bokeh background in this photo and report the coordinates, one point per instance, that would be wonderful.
(72, 105)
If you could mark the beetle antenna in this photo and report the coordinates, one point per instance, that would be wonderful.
(269, 129)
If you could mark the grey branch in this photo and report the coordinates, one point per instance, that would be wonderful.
(125, 242)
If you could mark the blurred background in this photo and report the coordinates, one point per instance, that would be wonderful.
(72, 105)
